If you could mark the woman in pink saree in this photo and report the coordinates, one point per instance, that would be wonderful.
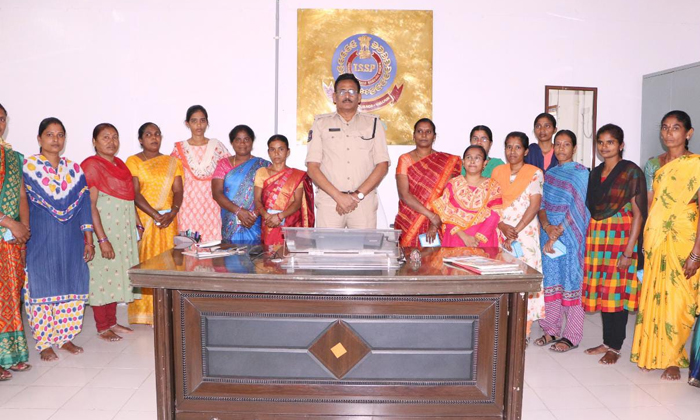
(468, 205)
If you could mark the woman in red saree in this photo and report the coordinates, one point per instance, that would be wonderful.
(283, 195)
(421, 175)
(469, 205)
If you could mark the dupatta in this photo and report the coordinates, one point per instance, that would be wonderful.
(61, 191)
(426, 181)
(626, 182)
(113, 179)
(277, 192)
(11, 182)
(239, 189)
(512, 190)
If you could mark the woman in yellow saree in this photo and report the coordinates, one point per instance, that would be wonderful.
(159, 191)
(669, 299)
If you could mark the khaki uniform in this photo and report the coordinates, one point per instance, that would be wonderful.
(348, 153)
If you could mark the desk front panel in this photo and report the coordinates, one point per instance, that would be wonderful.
(339, 355)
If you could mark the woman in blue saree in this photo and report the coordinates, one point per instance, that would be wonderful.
(232, 187)
(564, 218)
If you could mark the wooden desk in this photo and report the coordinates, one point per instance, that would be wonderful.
(237, 338)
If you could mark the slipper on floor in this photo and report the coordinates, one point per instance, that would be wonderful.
(569, 346)
(21, 367)
(546, 339)
(5, 375)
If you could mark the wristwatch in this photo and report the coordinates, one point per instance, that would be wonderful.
(360, 195)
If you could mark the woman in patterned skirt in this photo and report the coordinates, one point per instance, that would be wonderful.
(199, 156)
(116, 225)
(617, 199)
(14, 233)
(158, 196)
(56, 288)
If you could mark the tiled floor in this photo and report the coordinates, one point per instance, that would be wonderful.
(116, 381)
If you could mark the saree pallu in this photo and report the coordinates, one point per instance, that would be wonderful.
(13, 343)
(156, 177)
(605, 287)
(668, 305)
(564, 200)
(426, 181)
(469, 209)
(239, 189)
(277, 192)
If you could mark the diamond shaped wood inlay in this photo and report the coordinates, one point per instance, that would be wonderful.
(328, 349)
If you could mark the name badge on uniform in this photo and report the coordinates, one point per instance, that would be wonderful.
(334, 129)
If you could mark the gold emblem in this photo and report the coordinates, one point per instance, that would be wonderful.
(364, 46)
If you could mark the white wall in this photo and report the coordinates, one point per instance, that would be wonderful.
(127, 62)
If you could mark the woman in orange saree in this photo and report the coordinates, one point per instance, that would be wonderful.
(283, 195)
(421, 176)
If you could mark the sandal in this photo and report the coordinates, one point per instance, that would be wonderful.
(5, 375)
(21, 367)
(546, 339)
(569, 345)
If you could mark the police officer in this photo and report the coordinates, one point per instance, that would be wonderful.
(347, 158)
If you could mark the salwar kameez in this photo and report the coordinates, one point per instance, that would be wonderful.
(56, 288)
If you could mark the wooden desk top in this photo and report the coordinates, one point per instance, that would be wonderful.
(243, 274)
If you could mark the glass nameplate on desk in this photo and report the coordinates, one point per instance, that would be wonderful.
(341, 249)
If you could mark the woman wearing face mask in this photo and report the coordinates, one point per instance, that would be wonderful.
(117, 227)
(521, 185)
(564, 218)
(542, 153)
(158, 196)
(668, 305)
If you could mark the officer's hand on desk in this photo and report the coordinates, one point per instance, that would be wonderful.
(346, 203)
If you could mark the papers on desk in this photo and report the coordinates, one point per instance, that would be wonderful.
(212, 250)
(483, 265)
